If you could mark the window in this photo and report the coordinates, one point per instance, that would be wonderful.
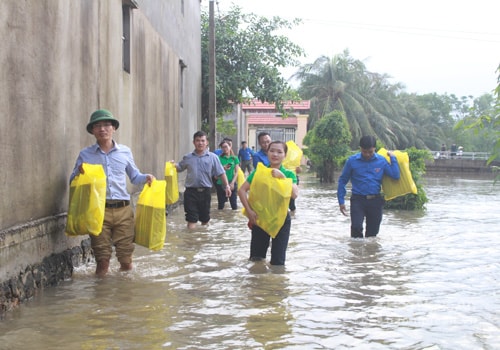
(289, 134)
(127, 7)
(126, 38)
(182, 67)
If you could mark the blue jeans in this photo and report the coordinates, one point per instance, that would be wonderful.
(362, 208)
(260, 243)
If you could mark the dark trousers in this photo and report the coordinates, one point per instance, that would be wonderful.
(292, 206)
(222, 199)
(260, 243)
(362, 208)
(197, 204)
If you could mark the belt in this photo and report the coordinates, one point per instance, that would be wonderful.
(369, 196)
(117, 204)
(198, 189)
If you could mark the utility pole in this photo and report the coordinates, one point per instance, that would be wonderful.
(212, 108)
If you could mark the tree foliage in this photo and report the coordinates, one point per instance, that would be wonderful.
(368, 100)
(328, 144)
(249, 53)
(486, 121)
(374, 106)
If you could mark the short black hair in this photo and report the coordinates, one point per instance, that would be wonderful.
(367, 142)
(199, 133)
(263, 133)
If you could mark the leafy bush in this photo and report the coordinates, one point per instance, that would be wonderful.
(412, 201)
(328, 144)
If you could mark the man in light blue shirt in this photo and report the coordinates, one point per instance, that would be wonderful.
(202, 166)
(118, 164)
(365, 171)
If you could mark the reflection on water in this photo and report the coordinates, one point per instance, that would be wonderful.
(429, 281)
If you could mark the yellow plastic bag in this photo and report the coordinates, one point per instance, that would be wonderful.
(150, 218)
(241, 178)
(293, 156)
(269, 197)
(405, 185)
(87, 201)
(172, 190)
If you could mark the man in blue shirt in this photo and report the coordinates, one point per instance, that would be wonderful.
(118, 164)
(245, 156)
(365, 170)
(264, 140)
(202, 166)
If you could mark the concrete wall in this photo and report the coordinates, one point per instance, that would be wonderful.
(187, 47)
(61, 60)
(458, 166)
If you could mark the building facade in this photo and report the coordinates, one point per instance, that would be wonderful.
(261, 117)
(60, 61)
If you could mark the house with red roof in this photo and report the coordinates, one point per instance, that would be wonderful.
(262, 116)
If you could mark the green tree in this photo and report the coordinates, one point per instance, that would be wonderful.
(249, 53)
(368, 100)
(478, 139)
(432, 118)
(328, 144)
(487, 121)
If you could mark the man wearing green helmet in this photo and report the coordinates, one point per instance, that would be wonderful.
(118, 163)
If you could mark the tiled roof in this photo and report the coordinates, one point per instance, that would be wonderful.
(266, 119)
(256, 104)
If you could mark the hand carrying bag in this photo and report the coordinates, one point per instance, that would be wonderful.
(87, 201)
(150, 218)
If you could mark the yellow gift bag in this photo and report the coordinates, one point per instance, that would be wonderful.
(150, 218)
(269, 197)
(172, 190)
(241, 178)
(405, 185)
(87, 201)
(293, 156)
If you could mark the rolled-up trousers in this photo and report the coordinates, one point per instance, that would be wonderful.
(118, 231)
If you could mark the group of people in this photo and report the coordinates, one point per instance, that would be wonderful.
(455, 151)
(203, 169)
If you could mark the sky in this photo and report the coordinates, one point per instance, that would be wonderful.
(440, 46)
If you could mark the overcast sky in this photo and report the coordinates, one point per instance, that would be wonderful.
(429, 46)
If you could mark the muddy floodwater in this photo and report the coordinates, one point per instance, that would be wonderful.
(431, 280)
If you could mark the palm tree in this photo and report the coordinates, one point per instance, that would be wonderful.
(369, 102)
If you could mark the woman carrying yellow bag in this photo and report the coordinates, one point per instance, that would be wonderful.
(269, 192)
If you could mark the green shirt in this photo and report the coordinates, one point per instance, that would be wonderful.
(288, 174)
(231, 160)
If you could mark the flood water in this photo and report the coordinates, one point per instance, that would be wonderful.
(429, 281)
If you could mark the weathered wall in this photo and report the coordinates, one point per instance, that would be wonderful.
(187, 47)
(61, 60)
